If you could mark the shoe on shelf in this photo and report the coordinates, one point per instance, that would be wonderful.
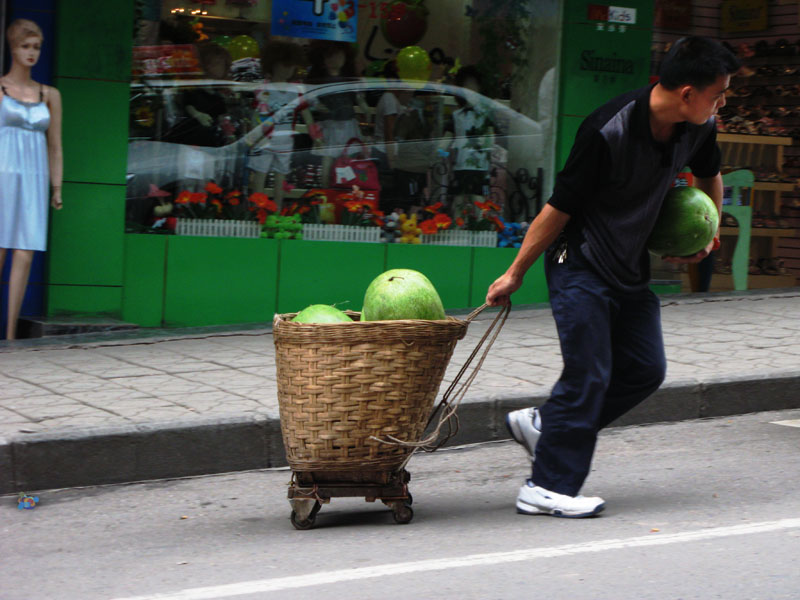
(521, 425)
(535, 500)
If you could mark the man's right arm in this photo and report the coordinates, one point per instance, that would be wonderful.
(542, 232)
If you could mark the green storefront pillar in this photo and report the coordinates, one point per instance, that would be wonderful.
(599, 60)
(93, 63)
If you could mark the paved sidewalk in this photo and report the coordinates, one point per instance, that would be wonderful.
(127, 407)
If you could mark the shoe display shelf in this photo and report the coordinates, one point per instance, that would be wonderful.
(752, 226)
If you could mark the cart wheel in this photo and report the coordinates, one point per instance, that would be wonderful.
(409, 500)
(402, 513)
(304, 523)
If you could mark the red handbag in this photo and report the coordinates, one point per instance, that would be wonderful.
(348, 171)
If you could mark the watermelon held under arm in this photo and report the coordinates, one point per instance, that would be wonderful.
(686, 224)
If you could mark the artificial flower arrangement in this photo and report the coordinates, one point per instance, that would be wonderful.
(216, 203)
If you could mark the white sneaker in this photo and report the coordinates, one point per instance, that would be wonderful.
(520, 424)
(535, 500)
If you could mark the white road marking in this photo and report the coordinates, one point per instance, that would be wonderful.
(792, 423)
(472, 560)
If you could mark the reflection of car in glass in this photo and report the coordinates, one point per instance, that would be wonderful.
(427, 144)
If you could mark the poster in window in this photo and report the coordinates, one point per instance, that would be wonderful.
(318, 19)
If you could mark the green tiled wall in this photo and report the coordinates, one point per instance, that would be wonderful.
(143, 281)
(95, 130)
(213, 281)
(448, 267)
(95, 39)
(327, 273)
(491, 263)
(84, 299)
(93, 60)
(86, 242)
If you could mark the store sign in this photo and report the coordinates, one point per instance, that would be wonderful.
(318, 19)
(164, 61)
(611, 14)
(744, 15)
(673, 14)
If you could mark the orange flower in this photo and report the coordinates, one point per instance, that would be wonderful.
(492, 205)
(218, 204)
(233, 201)
(433, 208)
(198, 198)
(483, 206)
(498, 223)
(428, 227)
(213, 188)
(353, 205)
(442, 221)
(184, 197)
(263, 202)
(460, 222)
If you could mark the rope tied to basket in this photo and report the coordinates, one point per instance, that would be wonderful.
(448, 406)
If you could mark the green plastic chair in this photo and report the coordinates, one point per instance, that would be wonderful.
(744, 216)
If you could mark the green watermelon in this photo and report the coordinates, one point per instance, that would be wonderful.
(401, 294)
(321, 313)
(686, 224)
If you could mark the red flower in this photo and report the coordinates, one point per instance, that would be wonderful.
(233, 201)
(198, 198)
(218, 204)
(442, 221)
(498, 223)
(263, 202)
(184, 197)
(483, 206)
(429, 227)
(460, 222)
(262, 215)
(234, 194)
(434, 208)
(213, 188)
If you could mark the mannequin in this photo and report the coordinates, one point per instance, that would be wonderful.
(333, 62)
(271, 153)
(474, 137)
(30, 155)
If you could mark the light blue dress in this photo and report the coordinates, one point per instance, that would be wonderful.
(24, 173)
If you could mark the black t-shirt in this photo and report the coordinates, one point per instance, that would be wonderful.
(615, 181)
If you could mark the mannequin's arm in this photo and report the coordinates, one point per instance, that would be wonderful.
(55, 153)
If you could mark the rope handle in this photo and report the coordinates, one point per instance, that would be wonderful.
(448, 406)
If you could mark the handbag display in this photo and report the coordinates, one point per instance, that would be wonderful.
(348, 171)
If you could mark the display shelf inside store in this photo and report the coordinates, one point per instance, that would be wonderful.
(243, 20)
(746, 138)
(760, 231)
(773, 186)
(723, 283)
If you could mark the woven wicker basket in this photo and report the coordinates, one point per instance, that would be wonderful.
(341, 384)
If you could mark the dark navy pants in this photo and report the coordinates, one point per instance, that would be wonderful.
(613, 354)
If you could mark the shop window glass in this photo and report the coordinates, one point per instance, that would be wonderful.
(440, 108)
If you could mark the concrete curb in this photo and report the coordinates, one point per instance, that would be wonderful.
(94, 456)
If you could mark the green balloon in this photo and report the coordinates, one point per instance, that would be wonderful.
(222, 40)
(243, 46)
(414, 64)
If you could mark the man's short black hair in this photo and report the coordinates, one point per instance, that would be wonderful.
(696, 61)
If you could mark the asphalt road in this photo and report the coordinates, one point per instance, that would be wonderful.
(695, 510)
